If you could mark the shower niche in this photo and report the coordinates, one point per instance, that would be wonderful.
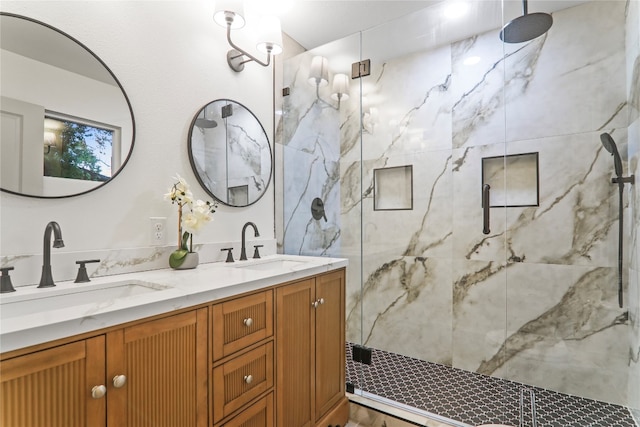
(514, 180)
(393, 188)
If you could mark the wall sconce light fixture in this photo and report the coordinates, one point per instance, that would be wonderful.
(319, 76)
(230, 14)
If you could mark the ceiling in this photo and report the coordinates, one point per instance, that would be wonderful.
(313, 23)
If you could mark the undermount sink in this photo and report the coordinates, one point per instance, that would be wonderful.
(274, 264)
(47, 299)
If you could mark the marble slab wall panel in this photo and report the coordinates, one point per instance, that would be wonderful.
(407, 306)
(479, 307)
(565, 331)
(311, 137)
(308, 175)
(633, 296)
(563, 83)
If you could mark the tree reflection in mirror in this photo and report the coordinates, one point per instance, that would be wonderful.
(76, 149)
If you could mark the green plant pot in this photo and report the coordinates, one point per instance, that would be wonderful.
(184, 261)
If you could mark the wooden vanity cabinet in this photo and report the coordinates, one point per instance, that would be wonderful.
(271, 357)
(150, 374)
(52, 387)
(310, 355)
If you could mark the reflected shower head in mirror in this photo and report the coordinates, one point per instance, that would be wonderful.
(205, 120)
(610, 145)
(526, 27)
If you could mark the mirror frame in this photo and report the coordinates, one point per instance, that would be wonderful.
(193, 164)
(124, 94)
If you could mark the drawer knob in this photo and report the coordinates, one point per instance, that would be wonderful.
(248, 379)
(321, 301)
(119, 381)
(248, 321)
(98, 391)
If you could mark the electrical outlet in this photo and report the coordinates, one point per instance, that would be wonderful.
(157, 230)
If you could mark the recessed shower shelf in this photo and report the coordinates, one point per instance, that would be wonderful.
(513, 180)
(393, 188)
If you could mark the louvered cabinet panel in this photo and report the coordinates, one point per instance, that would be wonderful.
(241, 322)
(53, 387)
(241, 380)
(165, 363)
(330, 336)
(295, 354)
(260, 414)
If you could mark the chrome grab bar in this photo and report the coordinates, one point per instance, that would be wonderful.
(485, 208)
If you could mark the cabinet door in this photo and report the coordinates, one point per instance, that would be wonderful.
(295, 354)
(53, 387)
(165, 365)
(330, 346)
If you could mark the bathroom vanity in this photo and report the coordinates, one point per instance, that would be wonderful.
(253, 343)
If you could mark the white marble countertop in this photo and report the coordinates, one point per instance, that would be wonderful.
(179, 289)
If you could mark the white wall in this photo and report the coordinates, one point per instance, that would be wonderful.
(170, 57)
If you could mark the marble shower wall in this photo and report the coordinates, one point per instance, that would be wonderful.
(633, 91)
(535, 300)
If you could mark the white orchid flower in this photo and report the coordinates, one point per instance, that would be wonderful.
(180, 192)
(200, 215)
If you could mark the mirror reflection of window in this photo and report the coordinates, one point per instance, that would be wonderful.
(78, 149)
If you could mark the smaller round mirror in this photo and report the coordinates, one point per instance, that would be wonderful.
(230, 153)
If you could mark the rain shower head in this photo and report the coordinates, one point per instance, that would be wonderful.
(206, 123)
(526, 27)
(610, 145)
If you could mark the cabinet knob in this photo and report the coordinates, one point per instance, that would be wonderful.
(317, 302)
(248, 321)
(248, 379)
(98, 391)
(119, 381)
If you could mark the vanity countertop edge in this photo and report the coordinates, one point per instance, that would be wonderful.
(186, 288)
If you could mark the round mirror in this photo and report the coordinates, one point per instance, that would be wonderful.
(230, 153)
(67, 125)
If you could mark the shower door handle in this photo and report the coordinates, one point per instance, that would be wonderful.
(485, 208)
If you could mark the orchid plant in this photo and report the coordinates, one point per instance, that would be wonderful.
(192, 215)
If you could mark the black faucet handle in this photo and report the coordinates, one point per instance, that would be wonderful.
(229, 254)
(256, 253)
(5, 281)
(82, 271)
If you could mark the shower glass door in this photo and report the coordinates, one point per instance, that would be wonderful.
(465, 180)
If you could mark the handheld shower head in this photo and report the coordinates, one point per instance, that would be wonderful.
(610, 145)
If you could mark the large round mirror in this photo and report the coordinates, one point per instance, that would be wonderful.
(230, 153)
(67, 124)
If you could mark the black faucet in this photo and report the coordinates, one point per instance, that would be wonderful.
(46, 280)
(243, 251)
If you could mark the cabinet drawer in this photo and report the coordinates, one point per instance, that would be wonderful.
(258, 414)
(241, 322)
(242, 379)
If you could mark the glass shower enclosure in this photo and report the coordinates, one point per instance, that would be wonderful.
(466, 181)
